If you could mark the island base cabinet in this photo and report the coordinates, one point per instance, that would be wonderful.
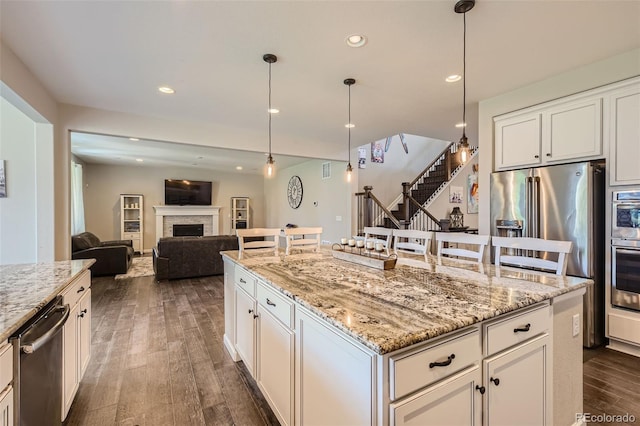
(246, 329)
(275, 365)
(453, 401)
(517, 385)
(335, 380)
(6, 407)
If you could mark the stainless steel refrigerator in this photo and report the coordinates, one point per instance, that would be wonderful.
(563, 202)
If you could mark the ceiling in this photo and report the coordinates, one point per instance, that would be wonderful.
(113, 55)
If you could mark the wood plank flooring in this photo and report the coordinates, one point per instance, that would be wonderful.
(158, 359)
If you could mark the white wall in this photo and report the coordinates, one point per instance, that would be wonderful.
(104, 184)
(332, 198)
(386, 178)
(607, 71)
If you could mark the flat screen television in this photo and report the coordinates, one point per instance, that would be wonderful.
(179, 192)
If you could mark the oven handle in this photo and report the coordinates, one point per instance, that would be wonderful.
(33, 346)
(627, 251)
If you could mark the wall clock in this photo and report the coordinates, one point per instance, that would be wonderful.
(294, 192)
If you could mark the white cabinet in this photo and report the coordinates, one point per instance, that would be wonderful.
(132, 220)
(246, 328)
(518, 140)
(335, 378)
(554, 132)
(453, 401)
(6, 389)
(517, 385)
(275, 364)
(6, 407)
(240, 215)
(624, 134)
(76, 338)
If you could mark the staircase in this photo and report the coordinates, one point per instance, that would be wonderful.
(411, 212)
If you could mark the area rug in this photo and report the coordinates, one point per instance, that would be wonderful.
(141, 267)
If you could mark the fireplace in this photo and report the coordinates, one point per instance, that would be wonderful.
(188, 230)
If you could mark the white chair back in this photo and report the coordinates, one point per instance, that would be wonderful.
(521, 252)
(270, 243)
(309, 238)
(378, 235)
(410, 241)
(474, 245)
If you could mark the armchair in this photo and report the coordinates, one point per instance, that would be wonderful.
(112, 257)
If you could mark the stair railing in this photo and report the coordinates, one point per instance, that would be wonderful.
(432, 223)
(371, 212)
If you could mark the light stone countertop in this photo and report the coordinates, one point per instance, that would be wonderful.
(415, 301)
(26, 288)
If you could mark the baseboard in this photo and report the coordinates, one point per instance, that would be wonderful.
(620, 346)
(230, 348)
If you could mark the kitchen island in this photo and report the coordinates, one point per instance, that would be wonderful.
(24, 290)
(329, 341)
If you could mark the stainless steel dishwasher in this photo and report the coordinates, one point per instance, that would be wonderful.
(37, 364)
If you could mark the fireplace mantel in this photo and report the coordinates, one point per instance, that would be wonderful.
(212, 213)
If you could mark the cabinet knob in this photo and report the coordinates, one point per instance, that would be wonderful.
(250, 311)
(495, 381)
(481, 389)
(255, 316)
(443, 363)
(548, 154)
(522, 329)
(536, 156)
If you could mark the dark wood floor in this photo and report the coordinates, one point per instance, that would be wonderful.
(158, 359)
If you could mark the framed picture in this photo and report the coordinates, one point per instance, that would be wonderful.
(362, 158)
(3, 181)
(455, 194)
(472, 193)
(377, 152)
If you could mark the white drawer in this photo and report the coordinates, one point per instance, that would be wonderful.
(131, 236)
(6, 365)
(77, 289)
(277, 304)
(244, 279)
(417, 369)
(515, 329)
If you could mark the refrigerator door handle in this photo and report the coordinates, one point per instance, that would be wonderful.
(527, 212)
(536, 207)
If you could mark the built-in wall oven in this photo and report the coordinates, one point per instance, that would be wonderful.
(625, 250)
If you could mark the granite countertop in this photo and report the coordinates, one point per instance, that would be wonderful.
(26, 288)
(414, 302)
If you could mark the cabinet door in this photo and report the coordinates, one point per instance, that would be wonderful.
(70, 370)
(275, 365)
(573, 131)
(454, 401)
(518, 141)
(84, 334)
(625, 136)
(517, 385)
(334, 376)
(6, 407)
(245, 328)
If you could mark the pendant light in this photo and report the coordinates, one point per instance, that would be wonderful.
(271, 166)
(349, 82)
(463, 6)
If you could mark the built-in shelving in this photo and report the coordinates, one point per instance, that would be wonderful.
(132, 220)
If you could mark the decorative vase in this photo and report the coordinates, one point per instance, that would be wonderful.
(457, 218)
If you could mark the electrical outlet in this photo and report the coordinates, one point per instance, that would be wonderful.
(576, 325)
(338, 218)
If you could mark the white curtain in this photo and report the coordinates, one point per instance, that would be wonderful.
(77, 201)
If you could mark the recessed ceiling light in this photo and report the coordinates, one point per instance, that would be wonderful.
(166, 89)
(461, 125)
(134, 139)
(139, 160)
(273, 110)
(349, 125)
(453, 78)
(238, 167)
(200, 158)
(356, 40)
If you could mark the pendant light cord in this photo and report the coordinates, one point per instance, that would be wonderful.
(349, 125)
(464, 76)
(269, 111)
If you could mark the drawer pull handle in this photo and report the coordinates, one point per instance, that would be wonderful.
(242, 281)
(481, 389)
(522, 329)
(443, 363)
(80, 290)
(270, 303)
(495, 381)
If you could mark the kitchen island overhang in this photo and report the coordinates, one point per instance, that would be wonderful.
(415, 305)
